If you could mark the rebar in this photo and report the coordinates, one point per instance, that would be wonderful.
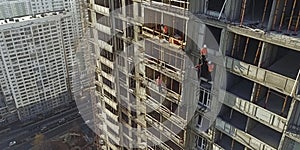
(257, 51)
(234, 44)
(246, 48)
(284, 104)
(257, 93)
(292, 13)
(275, 15)
(243, 12)
(297, 22)
(267, 98)
(264, 13)
(282, 16)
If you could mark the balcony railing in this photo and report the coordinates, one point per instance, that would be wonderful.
(111, 115)
(111, 102)
(101, 9)
(169, 7)
(107, 62)
(156, 140)
(166, 113)
(241, 136)
(166, 131)
(217, 147)
(153, 34)
(255, 112)
(268, 78)
(105, 45)
(159, 66)
(114, 127)
(109, 90)
(108, 76)
(103, 28)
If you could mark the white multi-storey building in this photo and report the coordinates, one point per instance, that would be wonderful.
(37, 57)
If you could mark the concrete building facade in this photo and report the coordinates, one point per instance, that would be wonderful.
(149, 96)
(34, 59)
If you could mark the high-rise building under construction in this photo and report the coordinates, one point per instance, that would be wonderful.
(150, 97)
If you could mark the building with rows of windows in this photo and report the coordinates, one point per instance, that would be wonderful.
(148, 93)
(37, 59)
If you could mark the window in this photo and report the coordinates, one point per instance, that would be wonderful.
(104, 3)
(201, 143)
(104, 37)
(200, 119)
(129, 8)
(107, 54)
(102, 19)
(119, 44)
(121, 61)
(204, 97)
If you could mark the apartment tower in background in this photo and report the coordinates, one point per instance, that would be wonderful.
(38, 45)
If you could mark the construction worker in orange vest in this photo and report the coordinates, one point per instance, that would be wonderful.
(159, 83)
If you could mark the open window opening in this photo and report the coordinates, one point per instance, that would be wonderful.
(227, 142)
(102, 19)
(272, 100)
(239, 86)
(282, 60)
(129, 8)
(256, 13)
(212, 37)
(104, 3)
(286, 17)
(233, 117)
(294, 123)
(264, 133)
(244, 48)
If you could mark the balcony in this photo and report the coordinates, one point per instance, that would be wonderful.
(160, 6)
(156, 140)
(155, 105)
(114, 127)
(255, 112)
(107, 62)
(274, 38)
(103, 28)
(111, 102)
(105, 45)
(101, 9)
(113, 138)
(264, 133)
(108, 76)
(111, 115)
(240, 136)
(174, 42)
(164, 130)
(265, 77)
(217, 147)
(154, 65)
(141, 120)
(111, 91)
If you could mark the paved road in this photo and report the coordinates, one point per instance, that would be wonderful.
(51, 133)
(24, 133)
